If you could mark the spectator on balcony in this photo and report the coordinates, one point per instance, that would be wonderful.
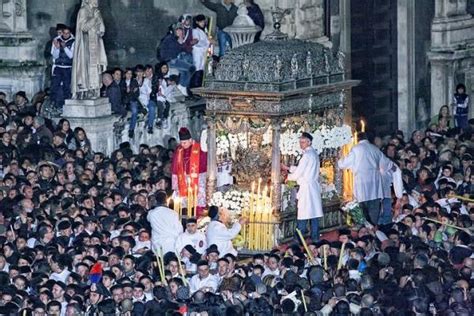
(186, 21)
(62, 51)
(200, 49)
(172, 52)
(256, 14)
(226, 12)
(112, 91)
(164, 97)
(130, 93)
(461, 106)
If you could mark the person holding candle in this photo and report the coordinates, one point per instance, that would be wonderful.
(306, 174)
(366, 162)
(189, 168)
(165, 224)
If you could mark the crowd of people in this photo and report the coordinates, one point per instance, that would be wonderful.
(66, 209)
(183, 54)
(83, 233)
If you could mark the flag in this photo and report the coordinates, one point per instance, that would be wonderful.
(96, 273)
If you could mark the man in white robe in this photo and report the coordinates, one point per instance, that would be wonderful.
(306, 174)
(165, 225)
(193, 237)
(218, 233)
(388, 171)
(365, 162)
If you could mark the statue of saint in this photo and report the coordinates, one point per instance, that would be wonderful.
(252, 163)
(90, 60)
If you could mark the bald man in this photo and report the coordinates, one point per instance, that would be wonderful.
(112, 91)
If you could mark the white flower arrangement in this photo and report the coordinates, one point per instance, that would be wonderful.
(323, 138)
(267, 137)
(223, 145)
(233, 200)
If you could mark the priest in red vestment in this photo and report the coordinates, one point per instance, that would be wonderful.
(189, 170)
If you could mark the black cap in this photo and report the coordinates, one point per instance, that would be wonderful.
(200, 17)
(213, 212)
(212, 248)
(191, 220)
(307, 136)
(61, 26)
(190, 249)
(184, 134)
(21, 94)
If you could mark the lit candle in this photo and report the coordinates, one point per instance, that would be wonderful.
(341, 255)
(362, 123)
(325, 254)
(189, 201)
(258, 187)
(195, 199)
(305, 246)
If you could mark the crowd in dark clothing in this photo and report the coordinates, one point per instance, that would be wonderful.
(75, 239)
(65, 208)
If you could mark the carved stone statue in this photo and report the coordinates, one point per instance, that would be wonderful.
(252, 163)
(89, 59)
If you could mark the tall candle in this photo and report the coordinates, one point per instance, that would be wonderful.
(341, 255)
(325, 254)
(195, 199)
(362, 123)
(258, 187)
(189, 201)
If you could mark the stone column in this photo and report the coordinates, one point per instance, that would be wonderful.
(211, 157)
(276, 127)
(441, 84)
(406, 65)
(452, 33)
(95, 116)
(20, 69)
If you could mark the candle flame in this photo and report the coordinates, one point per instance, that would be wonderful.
(362, 124)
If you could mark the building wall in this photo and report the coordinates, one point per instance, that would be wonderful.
(134, 27)
(424, 13)
(374, 62)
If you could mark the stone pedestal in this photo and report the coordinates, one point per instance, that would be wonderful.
(19, 68)
(95, 117)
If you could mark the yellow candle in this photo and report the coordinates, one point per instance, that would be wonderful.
(362, 123)
(195, 199)
(181, 270)
(304, 301)
(189, 201)
(325, 254)
(356, 141)
(305, 246)
(341, 255)
(258, 188)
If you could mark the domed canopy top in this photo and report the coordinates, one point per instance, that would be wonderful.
(277, 66)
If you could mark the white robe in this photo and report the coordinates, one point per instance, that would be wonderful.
(387, 176)
(200, 48)
(197, 240)
(196, 283)
(364, 160)
(165, 228)
(306, 174)
(221, 236)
